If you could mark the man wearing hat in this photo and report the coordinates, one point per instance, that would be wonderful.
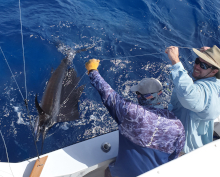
(195, 101)
(148, 135)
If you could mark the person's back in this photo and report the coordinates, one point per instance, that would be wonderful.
(154, 138)
(148, 136)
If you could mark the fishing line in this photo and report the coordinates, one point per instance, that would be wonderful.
(32, 129)
(11, 73)
(72, 91)
(22, 98)
(22, 42)
(6, 152)
(103, 60)
(78, 51)
(146, 54)
(67, 99)
(115, 59)
(186, 47)
(132, 56)
(25, 80)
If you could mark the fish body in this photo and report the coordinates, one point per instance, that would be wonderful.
(60, 100)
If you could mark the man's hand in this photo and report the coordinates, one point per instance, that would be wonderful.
(173, 54)
(204, 49)
(92, 65)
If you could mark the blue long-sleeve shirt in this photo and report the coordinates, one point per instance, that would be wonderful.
(148, 137)
(196, 104)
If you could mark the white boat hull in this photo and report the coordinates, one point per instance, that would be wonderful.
(202, 162)
(72, 161)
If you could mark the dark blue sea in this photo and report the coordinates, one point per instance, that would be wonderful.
(128, 37)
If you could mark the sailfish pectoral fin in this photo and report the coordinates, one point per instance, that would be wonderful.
(69, 110)
(69, 97)
(39, 109)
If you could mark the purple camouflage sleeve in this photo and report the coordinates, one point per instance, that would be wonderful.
(180, 143)
(109, 97)
(145, 126)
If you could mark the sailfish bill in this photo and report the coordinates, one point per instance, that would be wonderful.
(60, 100)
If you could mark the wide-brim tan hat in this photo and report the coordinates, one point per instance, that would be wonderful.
(147, 85)
(211, 55)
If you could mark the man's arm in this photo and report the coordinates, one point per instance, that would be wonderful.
(180, 143)
(191, 96)
(116, 105)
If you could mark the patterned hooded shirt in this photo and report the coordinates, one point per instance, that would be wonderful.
(148, 136)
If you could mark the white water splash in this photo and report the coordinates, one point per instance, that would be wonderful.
(67, 51)
(65, 126)
(20, 120)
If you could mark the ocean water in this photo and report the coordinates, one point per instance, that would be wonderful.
(129, 37)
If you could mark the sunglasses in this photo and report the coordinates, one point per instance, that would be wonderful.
(203, 65)
(138, 93)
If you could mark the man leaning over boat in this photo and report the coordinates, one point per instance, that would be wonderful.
(195, 101)
(149, 135)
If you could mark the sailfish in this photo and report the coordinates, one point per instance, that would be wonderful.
(60, 100)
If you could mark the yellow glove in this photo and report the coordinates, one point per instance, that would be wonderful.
(92, 65)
